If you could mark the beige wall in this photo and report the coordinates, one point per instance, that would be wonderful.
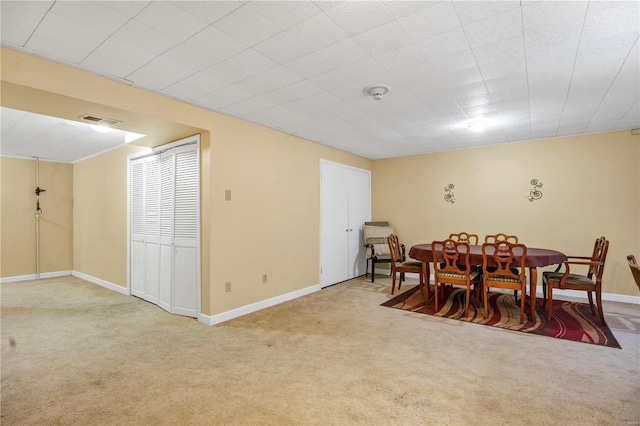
(18, 220)
(590, 189)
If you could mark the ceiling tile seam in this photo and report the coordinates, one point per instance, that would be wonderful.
(177, 4)
(626, 113)
(105, 40)
(613, 80)
(526, 68)
(39, 23)
(484, 82)
(573, 68)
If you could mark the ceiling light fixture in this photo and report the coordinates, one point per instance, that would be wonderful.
(376, 91)
(478, 126)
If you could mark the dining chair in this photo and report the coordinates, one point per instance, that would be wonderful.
(399, 266)
(635, 269)
(492, 238)
(451, 266)
(591, 282)
(501, 269)
(465, 236)
(376, 247)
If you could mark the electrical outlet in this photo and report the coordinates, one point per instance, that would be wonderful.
(264, 278)
(227, 286)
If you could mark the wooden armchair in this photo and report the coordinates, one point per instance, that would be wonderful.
(377, 248)
(399, 266)
(635, 269)
(591, 282)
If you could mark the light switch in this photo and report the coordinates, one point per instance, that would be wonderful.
(227, 194)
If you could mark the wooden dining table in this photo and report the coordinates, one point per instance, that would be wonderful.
(536, 257)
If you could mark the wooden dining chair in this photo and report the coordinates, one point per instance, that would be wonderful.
(451, 266)
(635, 269)
(591, 282)
(501, 269)
(465, 236)
(492, 238)
(399, 266)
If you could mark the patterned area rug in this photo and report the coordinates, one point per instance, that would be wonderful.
(570, 320)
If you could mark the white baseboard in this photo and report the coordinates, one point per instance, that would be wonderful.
(611, 297)
(29, 277)
(247, 309)
(102, 283)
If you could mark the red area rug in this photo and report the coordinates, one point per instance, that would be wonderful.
(570, 320)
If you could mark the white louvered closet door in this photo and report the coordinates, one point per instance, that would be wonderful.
(164, 229)
(185, 289)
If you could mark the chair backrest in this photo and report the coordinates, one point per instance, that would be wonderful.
(635, 269)
(465, 236)
(600, 249)
(375, 234)
(451, 256)
(500, 237)
(499, 260)
(394, 249)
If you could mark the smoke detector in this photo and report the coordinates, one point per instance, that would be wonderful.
(376, 91)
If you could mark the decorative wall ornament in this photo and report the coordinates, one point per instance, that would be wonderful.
(535, 193)
(449, 197)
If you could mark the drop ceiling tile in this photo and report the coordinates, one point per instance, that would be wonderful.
(472, 11)
(295, 91)
(129, 8)
(282, 48)
(65, 39)
(356, 17)
(189, 57)
(237, 22)
(216, 44)
(424, 87)
(383, 38)
(285, 14)
(209, 11)
(415, 73)
(224, 97)
(270, 80)
(431, 21)
(367, 69)
(506, 26)
(403, 8)
(117, 58)
(144, 37)
(309, 65)
(443, 44)
(342, 53)
(631, 120)
(462, 78)
(226, 73)
(326, 4)
(248, 106)
(19, 19)
(317, 32)
(170, 19)
(330, 80)
(398, 59)
(456, 62)
(612, 17)
(319, 100)
(194, 86)
(91, 14)
(252, 62)
(160, 73)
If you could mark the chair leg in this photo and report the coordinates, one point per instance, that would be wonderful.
(466, 304)
(549, 302)
(393, 282)
(593, 312)
(599, 302)
(485, 300)
(401, 279)
(436, 296)
(373, 270)
(522, 305)
(366, 268)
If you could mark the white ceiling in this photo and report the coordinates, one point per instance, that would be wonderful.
(533, 69)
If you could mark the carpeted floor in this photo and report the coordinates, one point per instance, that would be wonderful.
(75, 353)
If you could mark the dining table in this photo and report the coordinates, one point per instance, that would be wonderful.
(536, 257)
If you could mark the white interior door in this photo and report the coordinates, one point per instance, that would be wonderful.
(334, 224)
(136, 224)
(152, 228)
(359, 213)
(167, 191)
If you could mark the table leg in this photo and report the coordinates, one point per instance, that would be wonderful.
(533, 282)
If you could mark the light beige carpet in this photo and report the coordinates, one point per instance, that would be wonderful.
(75, 353)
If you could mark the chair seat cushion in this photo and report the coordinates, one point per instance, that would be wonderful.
(473, 275)
(503, 279)
(572, 279)
(377, 236)
(411, 264)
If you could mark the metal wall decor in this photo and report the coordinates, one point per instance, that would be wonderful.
(449, 197)
(535, 193)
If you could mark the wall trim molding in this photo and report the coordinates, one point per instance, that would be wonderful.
(30, 277)
(102, 283)
(611, 297)
(254, 307)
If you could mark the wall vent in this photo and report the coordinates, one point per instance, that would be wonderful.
(99, 120)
